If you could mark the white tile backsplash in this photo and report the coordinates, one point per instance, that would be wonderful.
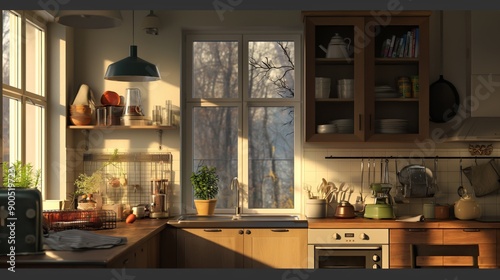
(317, 167)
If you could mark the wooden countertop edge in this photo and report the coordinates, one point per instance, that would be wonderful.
(135, 233)
(393, 224)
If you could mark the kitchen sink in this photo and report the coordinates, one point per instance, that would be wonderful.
(236, 218)
(238, 221)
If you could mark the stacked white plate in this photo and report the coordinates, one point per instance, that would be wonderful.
(344, 125)
(391, 126)
(326, 128)
(385, 91)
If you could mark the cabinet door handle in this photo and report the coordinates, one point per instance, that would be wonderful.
(417, 229)
(240, 231)
(359, 121)
(212, 230)
(248, 231)
(370, 122)
(471, 230)
(280, 230)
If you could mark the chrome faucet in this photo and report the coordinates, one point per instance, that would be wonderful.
(236, 184)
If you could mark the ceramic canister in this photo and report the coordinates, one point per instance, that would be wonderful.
(315, 208)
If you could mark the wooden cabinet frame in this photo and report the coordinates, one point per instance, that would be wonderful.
(364, 63)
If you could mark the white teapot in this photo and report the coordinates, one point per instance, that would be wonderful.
(338, 47)
(466, 208)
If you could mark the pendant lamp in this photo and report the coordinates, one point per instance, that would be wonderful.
(132, 68)
(92, 19)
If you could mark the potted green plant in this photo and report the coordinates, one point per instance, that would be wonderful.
(20, 175)
(86, 187)
(205, 184)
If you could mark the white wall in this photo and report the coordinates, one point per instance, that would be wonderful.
(95, 49)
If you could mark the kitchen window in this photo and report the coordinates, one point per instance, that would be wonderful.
(23, 90)
(242, 97)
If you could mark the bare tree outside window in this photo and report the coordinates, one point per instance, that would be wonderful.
(218, 124)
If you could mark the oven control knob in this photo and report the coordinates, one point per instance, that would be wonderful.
(363, 236)
(375, 266)
(336, 236)
(375, 258)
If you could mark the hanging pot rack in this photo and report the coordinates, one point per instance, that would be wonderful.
(402, 157)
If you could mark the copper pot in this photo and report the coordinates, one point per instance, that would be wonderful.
(345, 210)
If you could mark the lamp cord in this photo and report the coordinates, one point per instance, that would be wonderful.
(133, 24)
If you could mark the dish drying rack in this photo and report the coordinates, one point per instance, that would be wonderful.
(135, 170)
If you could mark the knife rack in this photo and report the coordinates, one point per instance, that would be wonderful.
(138, 169)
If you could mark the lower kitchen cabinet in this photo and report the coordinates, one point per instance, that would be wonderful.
(400, 240)
(143, 255)
(399, 245)
(241, 248)
(486, 238)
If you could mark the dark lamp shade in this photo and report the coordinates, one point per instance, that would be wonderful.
(132, 69)
(93, 19)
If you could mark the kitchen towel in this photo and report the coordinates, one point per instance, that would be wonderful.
(484, 178)
(75, 239)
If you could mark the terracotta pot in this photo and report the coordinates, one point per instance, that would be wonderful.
(205, 207)
(441, 212)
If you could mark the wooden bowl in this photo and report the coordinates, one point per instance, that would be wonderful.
(81, 120)
(80, 109)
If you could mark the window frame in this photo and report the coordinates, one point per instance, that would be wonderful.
(29, 98)
(244, 103)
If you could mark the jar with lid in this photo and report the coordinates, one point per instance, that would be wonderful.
(404, 86)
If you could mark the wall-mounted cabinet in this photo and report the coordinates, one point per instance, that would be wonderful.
(374, 110)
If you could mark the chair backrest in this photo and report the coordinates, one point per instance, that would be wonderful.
(420, 250)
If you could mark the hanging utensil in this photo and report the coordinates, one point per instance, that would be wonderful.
(398, 198)
(361, 185)
(462, 191)
(443, 96)
(434, 187)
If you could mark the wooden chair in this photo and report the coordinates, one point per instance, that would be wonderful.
(420, 250)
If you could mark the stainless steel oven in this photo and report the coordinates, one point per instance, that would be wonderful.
(348, 248)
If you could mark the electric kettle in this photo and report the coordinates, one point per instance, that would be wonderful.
(338, 47)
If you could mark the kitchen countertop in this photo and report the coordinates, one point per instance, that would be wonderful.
(393, 224)
(140, 230)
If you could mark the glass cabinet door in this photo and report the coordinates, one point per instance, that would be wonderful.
(334, 79)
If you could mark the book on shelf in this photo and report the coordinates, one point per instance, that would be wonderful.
(396, 47)
(389, 54)
(416, 42)
(406, 45)
(387, 46)
(402, 46)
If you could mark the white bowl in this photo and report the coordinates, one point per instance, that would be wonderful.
(327, 128)
(346, 82)
(323, 86)
(345, 92)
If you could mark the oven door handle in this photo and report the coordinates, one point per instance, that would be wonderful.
(348, 248)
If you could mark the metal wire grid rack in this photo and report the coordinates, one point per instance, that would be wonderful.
(128, 176)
